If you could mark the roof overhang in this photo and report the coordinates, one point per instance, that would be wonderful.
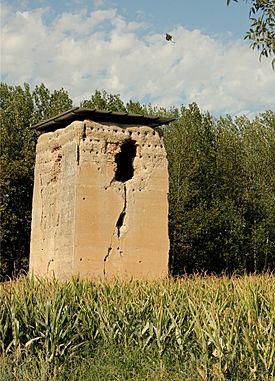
(80, 114)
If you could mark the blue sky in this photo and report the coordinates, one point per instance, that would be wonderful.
(211, 16)
(120, 46)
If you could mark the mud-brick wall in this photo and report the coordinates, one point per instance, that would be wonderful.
(100, 204)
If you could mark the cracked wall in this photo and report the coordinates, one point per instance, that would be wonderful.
(100, 204)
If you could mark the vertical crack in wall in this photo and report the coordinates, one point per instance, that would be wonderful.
(84, 132)
(77, 154)
(42, 200)
(106, 257)
(83, 137)
(116, 231)
(122, 215)
(124, 172)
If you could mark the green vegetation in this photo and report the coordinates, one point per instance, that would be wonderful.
(221, 195)
(193, 328)
(221, 171)
(261, 32)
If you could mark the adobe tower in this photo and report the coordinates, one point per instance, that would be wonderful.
(100, 207)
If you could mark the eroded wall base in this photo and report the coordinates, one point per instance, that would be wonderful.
(86, 222)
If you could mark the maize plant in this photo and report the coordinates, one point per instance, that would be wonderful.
(224, 326)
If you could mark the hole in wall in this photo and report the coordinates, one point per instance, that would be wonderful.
(124, 161)
(120, 223)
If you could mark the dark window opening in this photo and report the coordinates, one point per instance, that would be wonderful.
(124, 161)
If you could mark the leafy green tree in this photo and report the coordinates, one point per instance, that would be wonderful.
(104, 101)
(101, 100)
(17, 159)
(47, 105)
(221, 199)
(190, 144)
(135, 108)
(262, 31)
(258, 191)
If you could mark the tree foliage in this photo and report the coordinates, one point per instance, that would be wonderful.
(221, 174)
(221, 196)
(262, 28)
(48, 104)
(101, 100)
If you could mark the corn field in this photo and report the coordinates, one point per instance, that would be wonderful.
(211, 328)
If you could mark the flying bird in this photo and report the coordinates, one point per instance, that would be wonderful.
(169, 38)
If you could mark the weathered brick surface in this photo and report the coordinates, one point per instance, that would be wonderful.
(87, 223)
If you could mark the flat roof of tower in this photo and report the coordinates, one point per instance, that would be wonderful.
(77, 113)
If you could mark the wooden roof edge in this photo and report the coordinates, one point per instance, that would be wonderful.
(72, 114)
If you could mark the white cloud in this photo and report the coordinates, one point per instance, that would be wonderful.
(102, 50)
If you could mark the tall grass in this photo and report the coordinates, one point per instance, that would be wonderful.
(202, 328)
